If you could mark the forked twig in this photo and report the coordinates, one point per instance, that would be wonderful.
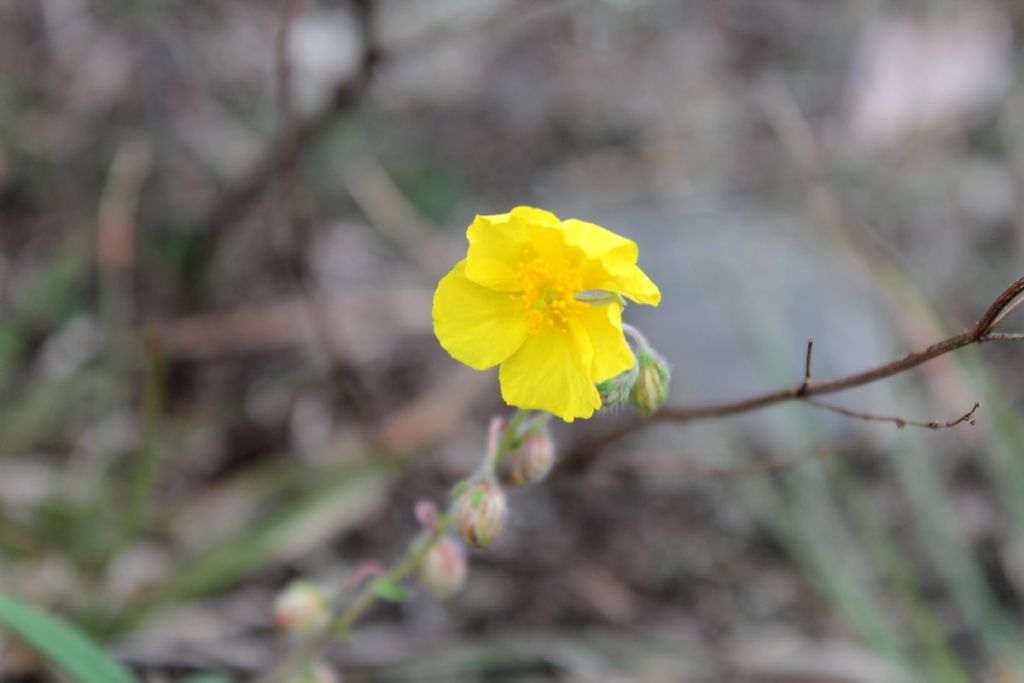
(900, 422)
(587, 451)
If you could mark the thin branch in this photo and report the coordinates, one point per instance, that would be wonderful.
(584, 453)
(898, 421)
(1008, 311)
(288, 149)
(1001, 336)
(808, 361)
(348, 377)
(292, 144)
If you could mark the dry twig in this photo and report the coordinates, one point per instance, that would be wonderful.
(900, 422)
(586, 452)
(293, 143)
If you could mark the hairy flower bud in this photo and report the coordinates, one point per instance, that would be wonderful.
(532, 460)
(301, 608)
(616, 390)
(481, 513)
(651, 387)
(443, 569)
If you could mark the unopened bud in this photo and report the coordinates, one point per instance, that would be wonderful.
(443, 569)
(615, 390)
(301, 608)
(316, 672)
(532, 460)
(481, 513)
(651, 386)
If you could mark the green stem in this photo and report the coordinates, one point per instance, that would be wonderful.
(510, 438)
(344, 620)
(147, 461)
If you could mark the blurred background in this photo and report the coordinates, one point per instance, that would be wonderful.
(221, 223)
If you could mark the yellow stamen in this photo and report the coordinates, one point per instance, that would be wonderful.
(548, 297)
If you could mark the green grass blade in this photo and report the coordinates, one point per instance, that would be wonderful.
(939, 661)
(61, 644)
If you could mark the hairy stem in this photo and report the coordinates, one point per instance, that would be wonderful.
(346, 618)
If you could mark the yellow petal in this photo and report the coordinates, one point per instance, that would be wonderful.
(496, 246)
(551, 372)
(477, 326)
(634, 284)
(611, 352)
(616, 253)
(611, 262)
(531, 214)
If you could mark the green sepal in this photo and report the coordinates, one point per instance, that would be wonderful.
(459, 489)
(389, 590)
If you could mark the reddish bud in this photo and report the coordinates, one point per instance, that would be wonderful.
(532, 460)
(481, 513)
(301, 608)
(443, 569)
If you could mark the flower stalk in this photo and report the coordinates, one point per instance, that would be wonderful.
(344, 619)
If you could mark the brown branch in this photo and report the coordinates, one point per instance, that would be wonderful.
(349, 378)
(584, 453)
(237, 201)
(1001, 336)
(900, 422)
(293, 143)
(808, 360)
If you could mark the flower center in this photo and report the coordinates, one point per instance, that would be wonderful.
(548, 296)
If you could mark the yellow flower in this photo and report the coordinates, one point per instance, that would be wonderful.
(520, 299)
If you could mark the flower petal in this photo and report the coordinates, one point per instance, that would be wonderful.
(496, 246)
(477, 326)
(611, 264)
(635, 285)
(612, 355)
(497, 243)
(533, 215)
(548, 373)
(616, 253)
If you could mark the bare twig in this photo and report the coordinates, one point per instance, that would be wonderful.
(581, 456)
(898, 421)
(914, 311)
(1001, 336)
(289, 148)
(292, 144)
(808, 360)
(349, 378)
(1008, 311)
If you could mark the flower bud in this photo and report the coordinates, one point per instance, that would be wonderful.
(532, 460)
(301, 608)
(615, 390)
(651, 386)
(316, 672)
(481, 513)
(443, 569)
